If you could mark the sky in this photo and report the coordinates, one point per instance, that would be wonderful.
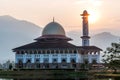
(104, 14)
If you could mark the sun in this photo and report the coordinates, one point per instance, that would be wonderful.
(94, 16)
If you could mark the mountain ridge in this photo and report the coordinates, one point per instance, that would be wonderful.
(14, 33)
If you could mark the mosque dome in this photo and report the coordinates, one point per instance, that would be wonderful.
(53, 31)
(53, 28)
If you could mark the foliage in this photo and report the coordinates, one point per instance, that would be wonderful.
(85, 65)
(112, 56)
(94, 62)
(10, 66)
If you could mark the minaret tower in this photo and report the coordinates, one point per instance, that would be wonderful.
(85, 37)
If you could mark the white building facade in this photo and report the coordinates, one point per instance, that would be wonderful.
(52, 50)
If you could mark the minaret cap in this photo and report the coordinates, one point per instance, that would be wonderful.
(85, 13)
(53, 19)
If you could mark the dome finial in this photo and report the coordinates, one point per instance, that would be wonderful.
(53, 19)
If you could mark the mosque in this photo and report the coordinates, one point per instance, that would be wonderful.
(52, 49)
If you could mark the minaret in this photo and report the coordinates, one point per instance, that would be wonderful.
(85, 37)
(53, 19)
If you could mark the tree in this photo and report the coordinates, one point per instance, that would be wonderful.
(85, 64)
(94, 62)
(10, 66)
(112, 56)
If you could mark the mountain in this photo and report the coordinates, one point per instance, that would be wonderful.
(75, 36)
(14, 33)
(104, 39)
(101, 40)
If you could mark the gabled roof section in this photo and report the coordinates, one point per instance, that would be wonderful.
(46, 45)
(90, 48)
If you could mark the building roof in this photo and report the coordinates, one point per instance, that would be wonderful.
(46, 45)
(53, 37)
(90, 48)
(85, 13)
(53, 28)
(55, 45)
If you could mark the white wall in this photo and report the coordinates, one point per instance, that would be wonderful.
(57, 56)
(79, 58)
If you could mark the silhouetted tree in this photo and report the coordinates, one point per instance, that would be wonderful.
(94, 62)
(10, 66)
(112, 56)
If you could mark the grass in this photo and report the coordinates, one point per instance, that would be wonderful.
(56, 74)
(102, 76)
(108, 75)
(43, 74)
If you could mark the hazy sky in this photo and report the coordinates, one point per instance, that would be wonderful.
(66, 12)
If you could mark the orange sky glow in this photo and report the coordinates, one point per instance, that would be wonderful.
(104, 14)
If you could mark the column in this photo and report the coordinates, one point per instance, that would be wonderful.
(98, 57)
(32, 58)
(50, 58)
(68, 58)
(59, 58)
(90, 57)
(24, 58)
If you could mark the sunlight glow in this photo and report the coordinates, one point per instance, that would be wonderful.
(94, 16)
(93, 8)
(96, 2)
(90, 2)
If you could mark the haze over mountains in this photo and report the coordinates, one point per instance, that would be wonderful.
(14, 33)
(102, 40)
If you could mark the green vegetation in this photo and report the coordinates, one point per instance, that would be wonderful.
(57, 74)
(43, 74)
(112, 63)
(112, 57)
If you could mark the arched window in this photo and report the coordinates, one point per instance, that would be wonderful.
(61, 51)
(17, 52)
(54, 60)
(28, 61)
(48, 51)
(70, 51)
(35, 52)
(46, 60)
(30, 52)
(22, 52)
(43, 51)
(52, 51)
(20, 61)
(39, 52)
(66, 51)
(37, 60)
(64, 60)
(26, 51)
(94, 61)
(73, 60)
(74, 51)
(86, 61)
(57, 51)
